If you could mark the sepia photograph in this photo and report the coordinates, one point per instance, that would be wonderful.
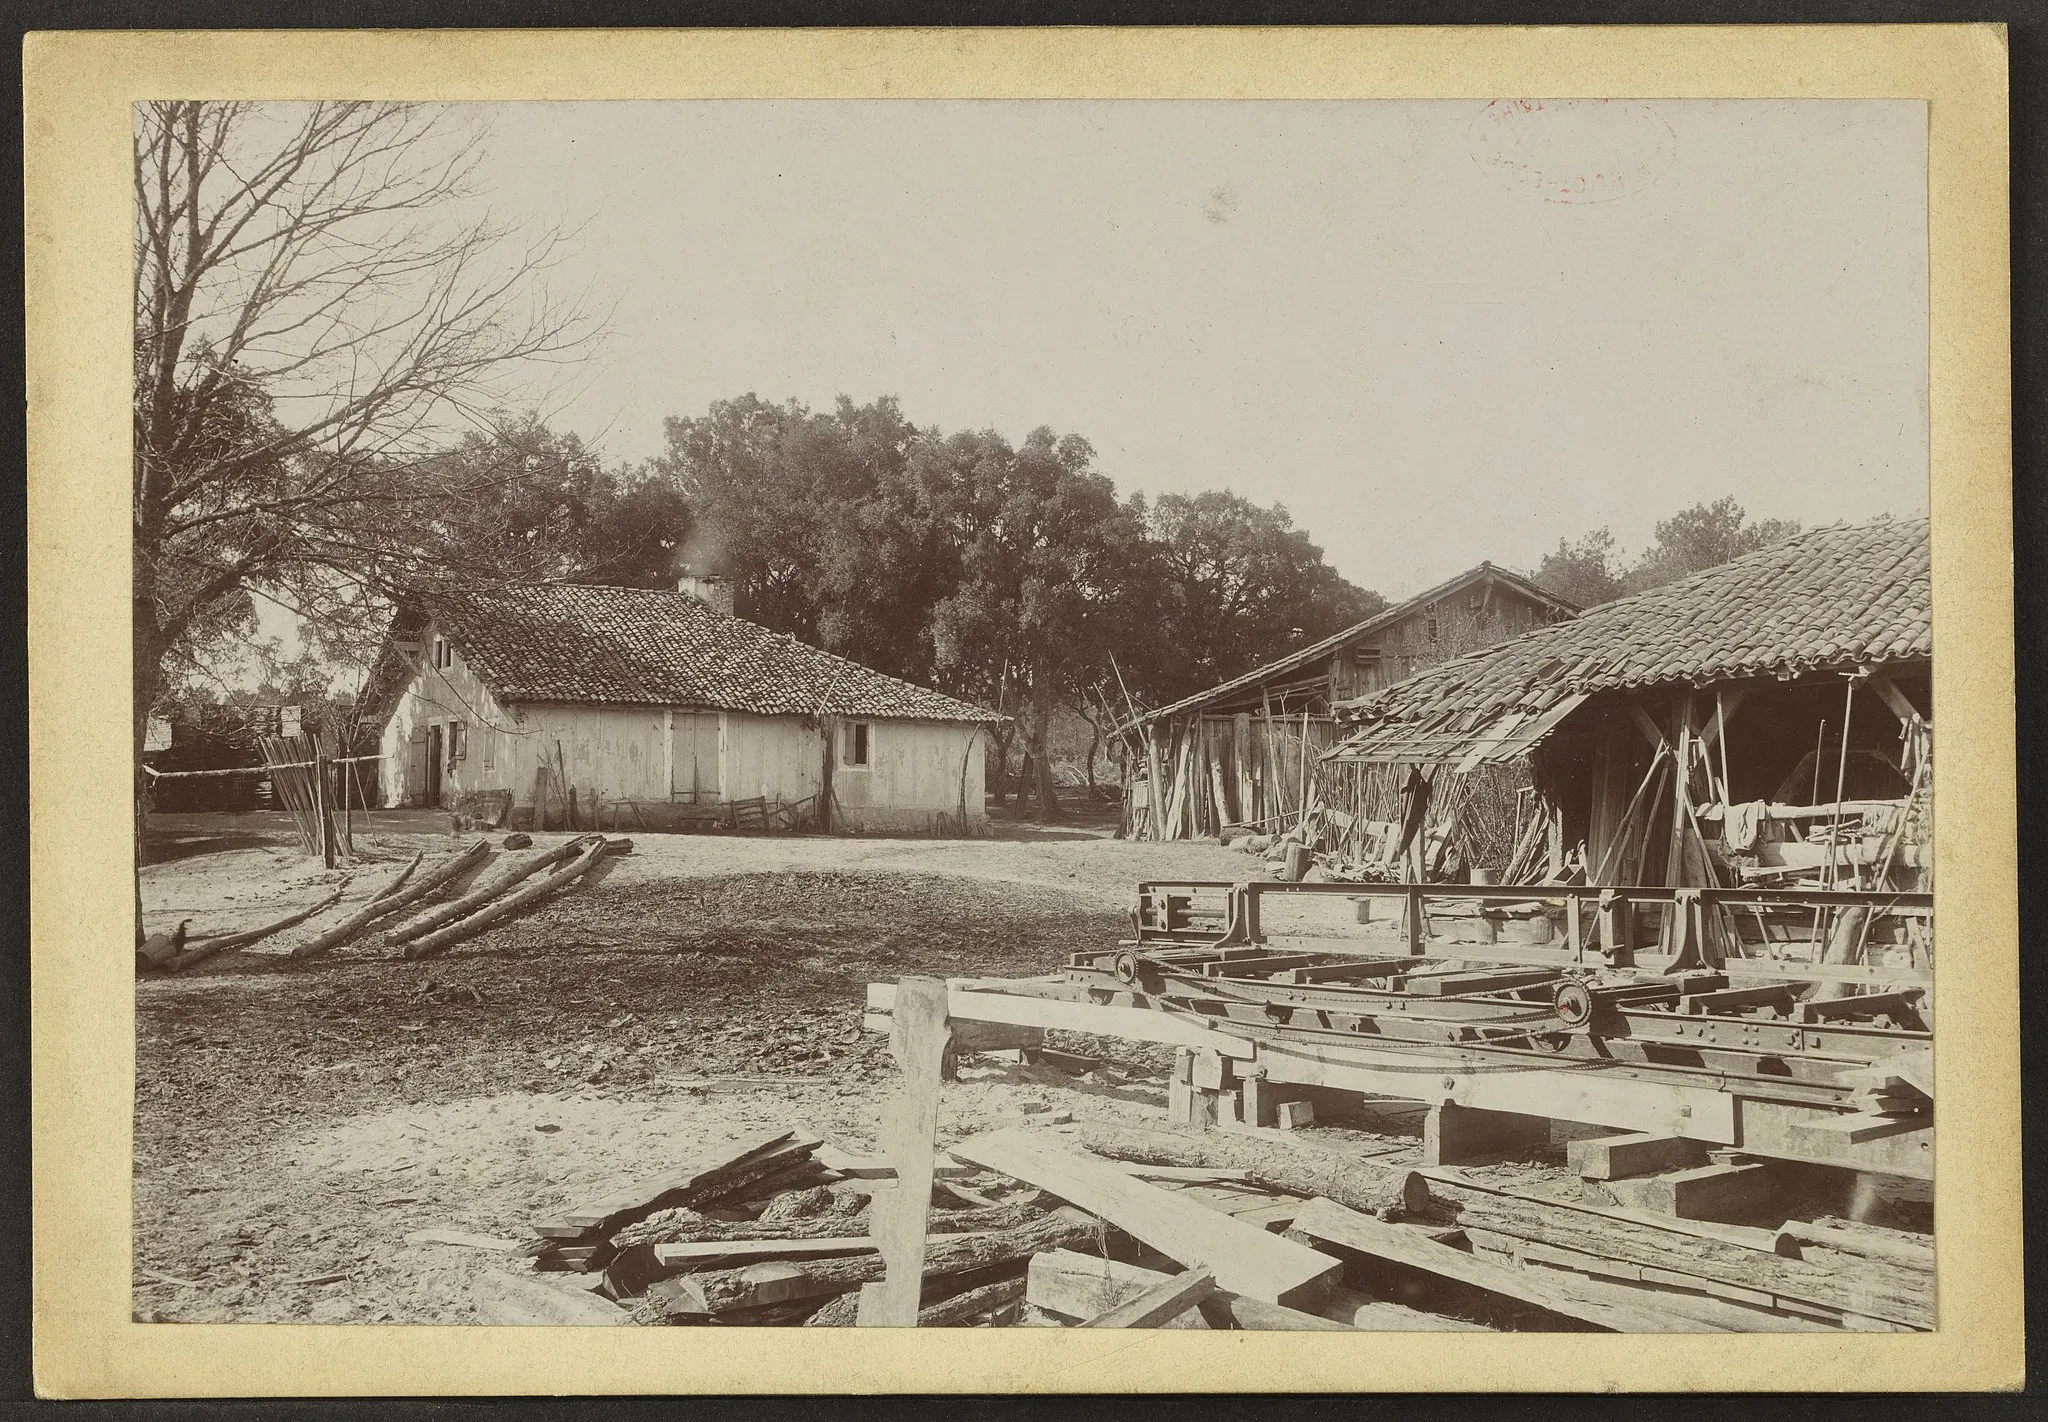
(1303, 716)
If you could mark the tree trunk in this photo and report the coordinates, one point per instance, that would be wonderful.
(999, 782)
(145, 678)
(1040, 751)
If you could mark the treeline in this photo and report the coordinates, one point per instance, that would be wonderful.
(1591, 568)
(1011, 575)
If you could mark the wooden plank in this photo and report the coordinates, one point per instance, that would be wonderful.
(740, 1251)
(1223, 1309)
(1708, 1191)
(1163, 1301)
(1889, 1246)
(1137, 1024)
(1861, 1126)
(1328, 1222)
(1077, 1286)
(1355, 1311)
(1244, 1258)
(639, 1201)
(509, 1299)
(917, 1038)
(1641, 1153)
(1194, 1174)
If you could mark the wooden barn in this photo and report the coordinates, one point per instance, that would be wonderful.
(603, 705)
(1247, 753)
(1764, 723)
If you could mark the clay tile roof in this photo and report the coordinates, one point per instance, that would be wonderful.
(1835, 597)
(559, 642)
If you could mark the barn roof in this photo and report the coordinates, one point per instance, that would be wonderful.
(1280, 666)
(1833, 598)
(563, 642)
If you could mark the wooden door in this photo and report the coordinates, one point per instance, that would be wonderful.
(693, 758)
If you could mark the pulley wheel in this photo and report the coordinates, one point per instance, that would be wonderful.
(1574, 1003)
(1125, 967)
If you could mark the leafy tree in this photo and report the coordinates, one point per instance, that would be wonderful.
(1703, 536)
(1236, 585)
(1586, 570)
(1044, 550)
(1590, 570)
(541, 507)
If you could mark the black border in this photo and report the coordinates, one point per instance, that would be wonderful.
(2028, 43)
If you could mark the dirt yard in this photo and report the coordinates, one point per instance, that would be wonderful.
(296, 1121)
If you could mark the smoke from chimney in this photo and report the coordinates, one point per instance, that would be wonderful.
(714, 593)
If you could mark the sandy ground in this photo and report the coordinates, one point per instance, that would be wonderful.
(294, 1122)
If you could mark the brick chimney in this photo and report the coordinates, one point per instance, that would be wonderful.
(714, 593)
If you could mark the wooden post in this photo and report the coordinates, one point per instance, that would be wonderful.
(320, 812)
(1418, 925)
(917, 1038)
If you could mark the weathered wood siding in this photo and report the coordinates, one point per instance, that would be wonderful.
(1456, 624)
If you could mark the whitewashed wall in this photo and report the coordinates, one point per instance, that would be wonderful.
(914, 774)
(917, 770)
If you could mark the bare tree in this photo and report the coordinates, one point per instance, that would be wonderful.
(319, 305)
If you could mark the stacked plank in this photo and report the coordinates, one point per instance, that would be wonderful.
(1192, 1231)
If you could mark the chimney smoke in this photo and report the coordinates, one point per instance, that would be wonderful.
(714, 593)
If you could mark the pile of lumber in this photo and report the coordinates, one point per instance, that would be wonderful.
(1022, 1229)
(1122, 1227)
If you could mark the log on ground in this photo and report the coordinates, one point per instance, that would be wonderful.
(505, 907)
(391, 903)
(728, 1289)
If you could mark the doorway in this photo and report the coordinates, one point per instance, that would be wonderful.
(434, 750)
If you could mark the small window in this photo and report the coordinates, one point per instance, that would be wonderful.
(458, 740)
(488, 739)
(854, 745)
(1432, 629)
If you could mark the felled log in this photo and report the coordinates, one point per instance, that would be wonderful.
(391, 903)
(727, 1289)
(1356, 1184)
(476, 898)
(946, 1305)
(159, 949)
(719, 1171)
(208, 949)
(507, 906)
(670, 1228)
(964, 1308)
(398, 880)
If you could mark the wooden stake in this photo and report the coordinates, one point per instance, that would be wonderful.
(320, 815)
(917, 1037)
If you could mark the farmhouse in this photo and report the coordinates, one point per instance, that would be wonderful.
(563, 696)
(1245, 752)
(1764, 723)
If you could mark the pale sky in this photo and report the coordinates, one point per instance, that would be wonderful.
(1436, 331)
